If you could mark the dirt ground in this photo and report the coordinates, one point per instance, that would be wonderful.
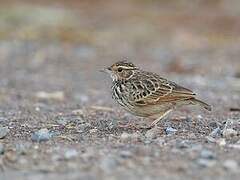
(57, 118)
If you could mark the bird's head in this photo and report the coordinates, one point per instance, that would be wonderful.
(121, 70)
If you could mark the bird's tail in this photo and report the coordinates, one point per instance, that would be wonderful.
(202, 104)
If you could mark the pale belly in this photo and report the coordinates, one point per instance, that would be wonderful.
(149, 111)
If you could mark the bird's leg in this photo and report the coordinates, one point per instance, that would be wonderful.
(162, 115)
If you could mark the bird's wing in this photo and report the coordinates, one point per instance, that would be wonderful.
(154, 89)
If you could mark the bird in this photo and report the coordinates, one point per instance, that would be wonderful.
(147, 94)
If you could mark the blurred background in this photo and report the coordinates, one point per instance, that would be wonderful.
(59, 45)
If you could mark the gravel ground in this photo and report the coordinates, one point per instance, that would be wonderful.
(57, 118)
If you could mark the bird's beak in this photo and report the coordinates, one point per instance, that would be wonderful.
(106, 70)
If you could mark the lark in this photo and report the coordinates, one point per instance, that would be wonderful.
(146, 94)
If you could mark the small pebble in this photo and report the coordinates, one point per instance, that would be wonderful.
(2, 148)
(221, 142)
(231, 165)
(126, 137)
(170, 130)
(70, 154)
(206, 154)
(41, 135)
(229, 133)
(3, 132)
(216, 132)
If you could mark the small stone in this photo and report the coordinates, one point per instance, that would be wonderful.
(2, 148)
(70, 154)
(126, 137)
(229, 133)
(3, 132)
(221, 142)
(41, 135)
(231, 165)
(216, 132)
(170, 130)
(206, 154)
(152, 133)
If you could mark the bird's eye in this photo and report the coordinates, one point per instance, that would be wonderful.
(120, 69)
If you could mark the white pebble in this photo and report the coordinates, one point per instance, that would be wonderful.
(229, 133)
